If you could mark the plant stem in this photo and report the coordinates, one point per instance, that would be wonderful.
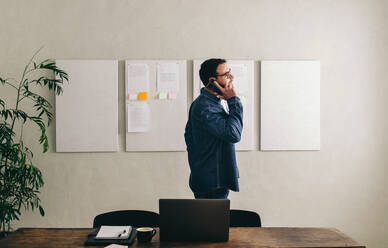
(11, 85)
(20, 85)
(21, 133)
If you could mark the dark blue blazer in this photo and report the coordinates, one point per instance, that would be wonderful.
(210, 135)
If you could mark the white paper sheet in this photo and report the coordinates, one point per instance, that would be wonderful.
(138, 117)
(138, 78)
(240, 81)
(168, 77)
(114, 232)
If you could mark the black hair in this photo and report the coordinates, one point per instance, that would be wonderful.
(209, 68)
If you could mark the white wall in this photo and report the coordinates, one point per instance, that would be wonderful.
(343, 185)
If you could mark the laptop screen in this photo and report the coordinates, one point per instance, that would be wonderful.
(194, 219)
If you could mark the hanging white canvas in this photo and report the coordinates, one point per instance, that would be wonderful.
(290, 105)
(87, 111)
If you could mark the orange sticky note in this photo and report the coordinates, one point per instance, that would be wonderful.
(142, 96)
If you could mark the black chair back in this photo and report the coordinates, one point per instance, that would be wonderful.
(243, 218)
(135, 218)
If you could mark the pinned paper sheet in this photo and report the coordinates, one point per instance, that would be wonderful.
(240, 74)
(132, 96)
(143, 96)
(138, 77)
(163, 95)
(171, 95)
(138, 117)
(168, 77)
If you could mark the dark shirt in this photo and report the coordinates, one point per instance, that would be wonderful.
(210, 135)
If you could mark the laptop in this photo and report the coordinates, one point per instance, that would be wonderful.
(194, 219)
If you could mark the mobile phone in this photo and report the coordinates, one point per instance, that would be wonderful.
(213, 87)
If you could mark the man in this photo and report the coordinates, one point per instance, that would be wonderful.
(211, 131)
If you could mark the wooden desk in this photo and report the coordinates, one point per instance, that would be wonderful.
(268, 237)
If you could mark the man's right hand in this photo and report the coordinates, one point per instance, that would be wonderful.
(227, 92)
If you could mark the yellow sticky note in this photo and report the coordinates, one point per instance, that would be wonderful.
(142, 96)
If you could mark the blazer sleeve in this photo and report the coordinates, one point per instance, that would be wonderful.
(226, 127)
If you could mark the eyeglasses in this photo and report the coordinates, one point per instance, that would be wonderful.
(226, 74)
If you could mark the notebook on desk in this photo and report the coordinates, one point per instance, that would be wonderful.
(127, 240)
(114, 232)
(194, 219)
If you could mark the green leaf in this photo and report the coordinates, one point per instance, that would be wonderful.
(2, 103)
(2, 80)
(54, 84)
(41, 210)
(5, 113)
(32, 170)
(44, 107)
(16, 217)
(19, 114)
(43, 138)
(25, 82)
(29, 152)
(23, 161)
(38, 81)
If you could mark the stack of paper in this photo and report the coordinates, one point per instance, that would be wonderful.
(114, 232)
(116, 246)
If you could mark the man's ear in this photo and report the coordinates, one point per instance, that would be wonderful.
(212, 79)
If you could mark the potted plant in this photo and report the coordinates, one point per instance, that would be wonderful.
(20, 179)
